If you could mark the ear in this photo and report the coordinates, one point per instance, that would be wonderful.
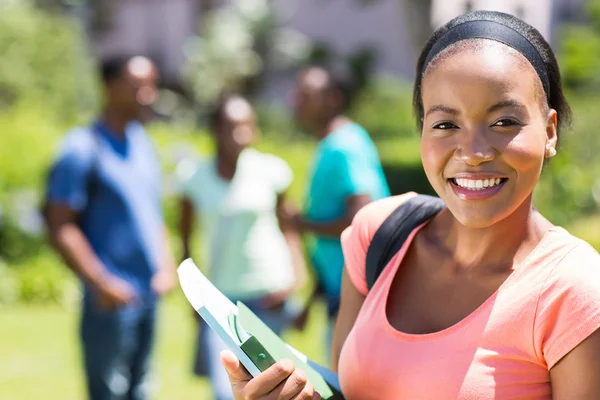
(552, 129)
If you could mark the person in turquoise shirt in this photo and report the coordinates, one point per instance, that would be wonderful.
(346, 174)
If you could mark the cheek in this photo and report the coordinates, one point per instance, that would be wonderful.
(525, 153)
(434, 155)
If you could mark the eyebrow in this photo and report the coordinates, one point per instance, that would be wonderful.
(507, 104)
(500, 105)
(441, 108)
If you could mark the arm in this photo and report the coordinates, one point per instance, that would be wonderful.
(294, 242)
(186, 226)
(165, 278)
(335, 228)
(575, 376)
(351, 302)
(70, 242)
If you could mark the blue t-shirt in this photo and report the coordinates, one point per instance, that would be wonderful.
(114, 183)
(346, 163)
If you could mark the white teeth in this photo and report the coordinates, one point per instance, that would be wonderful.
(477, 184)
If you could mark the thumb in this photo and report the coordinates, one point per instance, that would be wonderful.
(235, 369)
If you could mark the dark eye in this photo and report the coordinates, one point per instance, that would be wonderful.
(506, 122)
(445, 125)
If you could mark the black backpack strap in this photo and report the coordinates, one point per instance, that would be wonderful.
(394, 231)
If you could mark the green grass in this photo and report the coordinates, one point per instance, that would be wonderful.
(40, 359)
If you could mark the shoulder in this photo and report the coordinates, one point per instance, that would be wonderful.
(77, 140)
(357, 237)
(578, 269)
(137, 130)
(267, 160)
(368, 220)
(191, 169)
(270, 167)
(77, 146)
(568, 309)
(348, 142)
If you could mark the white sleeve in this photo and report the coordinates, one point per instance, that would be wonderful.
(279, 172)
(184, 176)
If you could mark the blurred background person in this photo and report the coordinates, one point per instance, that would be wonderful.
(346, 174)
(234, 196)
(103, 212)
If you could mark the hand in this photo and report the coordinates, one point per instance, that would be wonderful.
(289, 217)
(300, 322)
(275, 300)
(113, 293)
(282, 381)
(163, 281)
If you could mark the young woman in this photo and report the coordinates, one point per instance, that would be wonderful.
(236, 195)
(487, 299)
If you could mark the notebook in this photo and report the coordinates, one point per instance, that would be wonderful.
(253, 342)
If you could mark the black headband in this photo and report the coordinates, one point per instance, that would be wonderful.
(485, 29)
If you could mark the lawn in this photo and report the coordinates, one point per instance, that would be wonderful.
(39, 354)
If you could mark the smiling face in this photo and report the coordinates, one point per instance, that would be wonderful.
(486, 129)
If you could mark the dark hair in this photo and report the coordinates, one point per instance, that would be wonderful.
(556, 98)
(112, 67)
(343, 84)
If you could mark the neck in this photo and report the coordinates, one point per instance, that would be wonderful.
(330, 125)
(115, 121)
(506, 243)
(226, 164)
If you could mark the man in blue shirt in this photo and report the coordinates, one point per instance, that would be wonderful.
(103, 212)
(346, 174)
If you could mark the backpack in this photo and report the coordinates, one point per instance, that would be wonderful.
(394, 231)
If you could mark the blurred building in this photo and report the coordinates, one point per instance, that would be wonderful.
(393, 29)
(157, 28)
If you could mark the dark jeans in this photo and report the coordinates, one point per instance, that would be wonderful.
(116, 349)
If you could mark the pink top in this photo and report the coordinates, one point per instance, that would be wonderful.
(503, 350)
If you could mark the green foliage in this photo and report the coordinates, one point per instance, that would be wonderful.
(238, 44)
(569, 187)
(43, 61)
(40, 278)
(27, 144)
(580, 51)
(384, 108)
(580, 61)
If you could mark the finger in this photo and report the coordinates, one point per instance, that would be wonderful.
(296, 386)
(270, 378)
(307, 395)
(235, 369)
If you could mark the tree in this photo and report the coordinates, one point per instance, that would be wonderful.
(238, 45)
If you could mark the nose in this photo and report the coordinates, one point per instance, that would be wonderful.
(475, 148)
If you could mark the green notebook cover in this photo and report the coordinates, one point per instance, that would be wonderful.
(278, 349)
(253, 342)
